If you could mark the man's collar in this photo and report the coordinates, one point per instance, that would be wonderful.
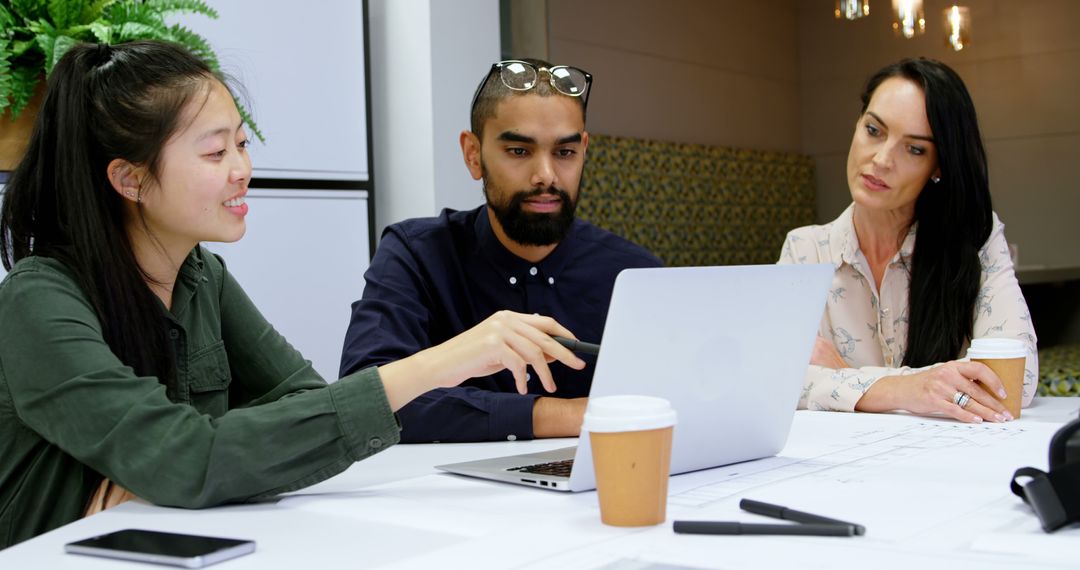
(510, 265)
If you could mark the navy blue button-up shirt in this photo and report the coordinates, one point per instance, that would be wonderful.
(434, 278)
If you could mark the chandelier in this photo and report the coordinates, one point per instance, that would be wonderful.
(909, 20)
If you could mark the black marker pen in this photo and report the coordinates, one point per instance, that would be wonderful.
(577, 345)
(734, 528)
(778, 512)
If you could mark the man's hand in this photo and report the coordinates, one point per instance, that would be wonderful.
(505, 340)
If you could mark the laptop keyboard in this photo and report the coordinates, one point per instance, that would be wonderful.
(557, 468)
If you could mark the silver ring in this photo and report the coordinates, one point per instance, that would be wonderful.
(961, 399)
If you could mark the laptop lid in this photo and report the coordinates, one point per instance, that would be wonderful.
(728, 346)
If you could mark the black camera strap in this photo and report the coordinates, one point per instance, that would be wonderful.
(1054, 496)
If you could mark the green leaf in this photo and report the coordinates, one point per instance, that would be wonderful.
(6, 81)
(184, 6)
(7, 21)
(102, 32)
(24, 85)
(246, 117)
(66, 13)
(46, 40)
(41, 27)
(29, 9)
(94, 10)
(60, 46)
(138, 31)
(194, 42)
(81, 32)
(138, 12)
(19, 47)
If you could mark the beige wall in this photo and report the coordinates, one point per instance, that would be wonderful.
(1023, 71)
(721, 72)
(786, 75)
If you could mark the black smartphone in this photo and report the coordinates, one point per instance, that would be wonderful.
(185, 550)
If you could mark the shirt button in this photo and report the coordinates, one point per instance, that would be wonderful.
(174, 334)
(511, 437)
(532, 271)
(885, 311)
(551, 280)
(528, 376)
(375, 442)
(513, 280)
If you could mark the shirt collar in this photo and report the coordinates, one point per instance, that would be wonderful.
(509, 265)
(842, 240)
(844, 243)
(188, 280)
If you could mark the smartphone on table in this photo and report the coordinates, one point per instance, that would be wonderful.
(185, 550)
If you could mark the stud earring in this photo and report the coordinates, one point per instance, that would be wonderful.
(935, 179)
(130, 194)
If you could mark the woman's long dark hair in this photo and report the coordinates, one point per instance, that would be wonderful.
(103, 103)
(954, 216)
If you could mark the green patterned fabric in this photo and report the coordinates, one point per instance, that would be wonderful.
(695, 204)
(1059, 370)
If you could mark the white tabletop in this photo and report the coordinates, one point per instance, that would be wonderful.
(931, 492)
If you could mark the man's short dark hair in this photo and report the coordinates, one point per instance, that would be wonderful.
(492, 91)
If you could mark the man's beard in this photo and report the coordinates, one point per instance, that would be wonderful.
(531, 228)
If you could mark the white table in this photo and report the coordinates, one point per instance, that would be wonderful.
(932, 493)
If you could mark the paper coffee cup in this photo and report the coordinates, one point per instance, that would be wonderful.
(1005, 356)
(630, 438)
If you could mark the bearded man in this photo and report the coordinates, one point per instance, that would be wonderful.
(523, 251)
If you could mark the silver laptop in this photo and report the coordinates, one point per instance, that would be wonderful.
(728, 346)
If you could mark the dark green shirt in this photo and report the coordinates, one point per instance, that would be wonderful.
(250, 417)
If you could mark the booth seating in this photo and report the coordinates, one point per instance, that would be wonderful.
(1059, 370)
(694, 204)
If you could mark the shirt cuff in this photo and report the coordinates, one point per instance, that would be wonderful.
(511, 416)
(839, 390)
(367, 422)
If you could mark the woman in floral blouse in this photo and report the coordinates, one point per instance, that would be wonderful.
(922, 265)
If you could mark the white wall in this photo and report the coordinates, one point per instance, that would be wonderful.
(307, 93)
(426, 58)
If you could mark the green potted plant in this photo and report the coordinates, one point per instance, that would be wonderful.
(34, 34)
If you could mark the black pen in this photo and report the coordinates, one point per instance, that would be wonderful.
(778, 512)
(719, 527)
(577, 345)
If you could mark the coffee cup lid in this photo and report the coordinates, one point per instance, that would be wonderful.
(628, 413)
(997, 348)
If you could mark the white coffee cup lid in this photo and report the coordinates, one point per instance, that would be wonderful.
(997, 348)
(628, 413)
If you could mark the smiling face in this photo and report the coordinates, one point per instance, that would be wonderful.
(531, 160)
(205, 169)
(892, 153)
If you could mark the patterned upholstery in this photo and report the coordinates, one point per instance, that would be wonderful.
(695, 204)
(1059, 370)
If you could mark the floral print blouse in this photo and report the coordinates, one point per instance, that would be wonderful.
(870, 329)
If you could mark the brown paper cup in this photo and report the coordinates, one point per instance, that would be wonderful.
(1006, 357)
(632, 471)
(630, 438)
(1011, 373)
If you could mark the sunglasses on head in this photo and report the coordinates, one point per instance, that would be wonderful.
(520, 75)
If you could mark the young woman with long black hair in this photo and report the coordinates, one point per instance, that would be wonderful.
(131, 362)
(922, 265)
